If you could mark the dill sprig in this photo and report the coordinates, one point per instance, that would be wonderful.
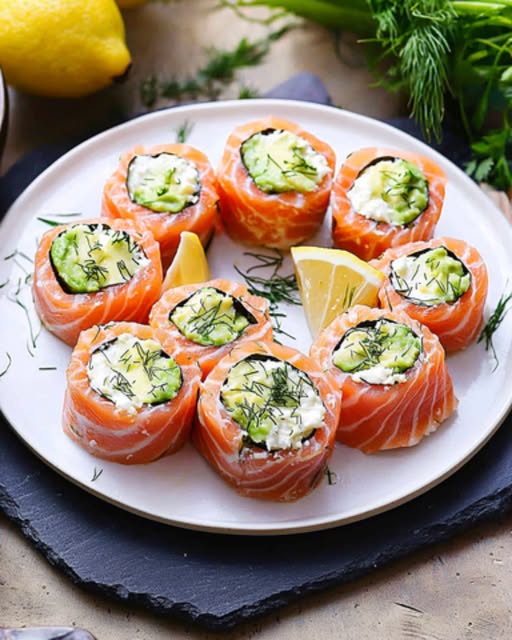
(493, 324)
(275, 288)
(96, 474)
(183, 131)
(218, 72)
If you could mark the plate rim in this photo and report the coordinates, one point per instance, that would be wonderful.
(266, 528)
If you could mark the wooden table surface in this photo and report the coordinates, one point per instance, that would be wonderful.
(455, 591)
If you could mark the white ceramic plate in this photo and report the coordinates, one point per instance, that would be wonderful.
(182, 489)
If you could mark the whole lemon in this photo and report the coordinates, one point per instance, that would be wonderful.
(62, 48)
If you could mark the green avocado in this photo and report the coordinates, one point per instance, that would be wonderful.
(132, 372)
(211, 317)
(390, 190)
(430, 277)
(280, 161)
(275, 404)
(90, 257)
(164, 183)
(378, 351)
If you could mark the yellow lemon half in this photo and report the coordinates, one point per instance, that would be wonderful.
(189, 265)
(330, 281)
(62, 48)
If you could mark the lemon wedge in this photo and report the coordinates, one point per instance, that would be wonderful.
(189, 265)
(332, 280)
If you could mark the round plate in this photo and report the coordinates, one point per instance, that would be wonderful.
(182, 489)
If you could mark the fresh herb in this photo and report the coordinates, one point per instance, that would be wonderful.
(246, 92)
(332, 477)
(7, 366)
(54, 223)
(47, 368)
(494, 322)
(184, 131)
(96, 474)
(218, 73)
(449, 56)
(276, 288)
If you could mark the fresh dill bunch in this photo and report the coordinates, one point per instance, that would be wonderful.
(418, 34)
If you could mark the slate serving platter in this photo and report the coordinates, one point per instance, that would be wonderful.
(219, 581)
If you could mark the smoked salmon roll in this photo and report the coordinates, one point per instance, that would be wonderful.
(207, 320)
(129, 398)
(266, 421)
(93, 272)
(384, 198)
(441, 283)
(169, 188)
(274, 183)
(392, 373)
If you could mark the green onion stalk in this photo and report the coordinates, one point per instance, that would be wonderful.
(443, 54)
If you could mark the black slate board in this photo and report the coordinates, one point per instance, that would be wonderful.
(216, 580)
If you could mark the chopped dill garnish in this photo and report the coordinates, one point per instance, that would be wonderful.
(494, 322)
(19, 253)
(332, 477)
(183, 131)
(96, 474)
(8, 365)
(47, 368)
(275, 288)
(54, 223)
(51, 223)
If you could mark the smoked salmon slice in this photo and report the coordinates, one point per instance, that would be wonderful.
(458, 321)
(66, 313)
(244, 425)
(199, 210)
(391, 408)
(207, 320)
(274, 219)
(371, 234)
(126, 434)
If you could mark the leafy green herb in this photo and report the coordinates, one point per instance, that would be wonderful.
(276, 288)
(332, 477)
(247, 93)
(54, 223)
(218, 72)
(96, 474)
(494, 322)
(184, 131)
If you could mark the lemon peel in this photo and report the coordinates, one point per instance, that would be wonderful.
(189, 265)
(332, 280)
(62, 48)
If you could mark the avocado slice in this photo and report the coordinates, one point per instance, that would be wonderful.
(378, 352)
(275, 404)
(430, 277)
(390, 190)
(89, 257)
(163, 183)
(211, 317)
(280, 161)
(132, 372)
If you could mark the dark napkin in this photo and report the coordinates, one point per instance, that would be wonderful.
(217, 580)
